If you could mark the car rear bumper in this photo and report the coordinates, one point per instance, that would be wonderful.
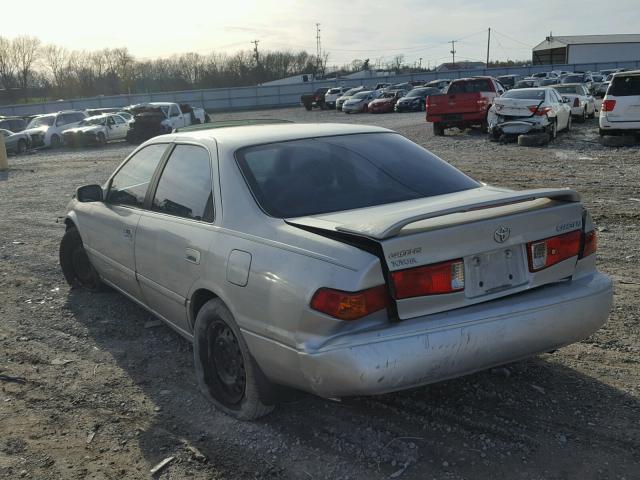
(457, 118)
(518, 127)
(609, 125)
(437, 347)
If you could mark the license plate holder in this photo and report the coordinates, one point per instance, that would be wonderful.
(494, 271)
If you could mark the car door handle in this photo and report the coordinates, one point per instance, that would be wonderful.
(192, 256)
(127, 233)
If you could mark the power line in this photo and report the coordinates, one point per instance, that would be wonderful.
(512, 39)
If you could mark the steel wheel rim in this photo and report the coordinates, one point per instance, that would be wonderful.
(226, 363)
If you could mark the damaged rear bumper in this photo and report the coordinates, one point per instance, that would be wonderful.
(437, 347)
(517, 127)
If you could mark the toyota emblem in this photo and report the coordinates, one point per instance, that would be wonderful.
(501, 234)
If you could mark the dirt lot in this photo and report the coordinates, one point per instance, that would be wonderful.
(108, 395)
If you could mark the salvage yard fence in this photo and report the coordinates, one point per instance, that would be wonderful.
(273, 96)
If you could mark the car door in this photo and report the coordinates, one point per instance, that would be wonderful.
(176, 119)
(120, 127)
(110, 226)
(175, 233)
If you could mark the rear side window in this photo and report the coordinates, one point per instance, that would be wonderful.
(129, 186)
(471, 86)
(625, 86)
(330, 174)
(184, 189)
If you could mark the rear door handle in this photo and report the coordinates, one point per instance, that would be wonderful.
(192, 256)
(127, 233)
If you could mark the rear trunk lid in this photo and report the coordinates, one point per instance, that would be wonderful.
(455, 103)
(515, 107)
(487, 228)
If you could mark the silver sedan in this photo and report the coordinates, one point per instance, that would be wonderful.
(337, 259)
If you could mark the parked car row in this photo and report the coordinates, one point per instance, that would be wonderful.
(384, 97)
(135, 123)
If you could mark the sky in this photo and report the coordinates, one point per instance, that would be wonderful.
(350, 29)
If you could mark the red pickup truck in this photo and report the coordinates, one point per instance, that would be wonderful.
(465, 103)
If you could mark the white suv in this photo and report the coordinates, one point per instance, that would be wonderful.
(332, 95)
(46, 130)
(620, 111)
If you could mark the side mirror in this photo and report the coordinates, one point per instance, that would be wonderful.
(90, 193)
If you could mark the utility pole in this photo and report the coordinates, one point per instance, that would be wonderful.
(488, 45)
(453, 51)
(318, 48)
(420, 67)
(256, 56)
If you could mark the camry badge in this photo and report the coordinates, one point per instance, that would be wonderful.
(501, 234)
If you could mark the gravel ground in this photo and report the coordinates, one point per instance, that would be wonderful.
(109, 395)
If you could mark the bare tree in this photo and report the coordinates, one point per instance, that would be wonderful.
(396, 63)
(25, 52)
(7, 65)
(56, 59)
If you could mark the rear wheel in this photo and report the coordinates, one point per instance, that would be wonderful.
(553, 129)
(438, 129)
(101, 139)
(21, 147)
(55, 141)
(75, 263)
(569, 123)
(227, 373)
(307, 106)
(582, 118)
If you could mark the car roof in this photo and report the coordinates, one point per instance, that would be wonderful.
(627, 73)
(243, 136)
(568, 85)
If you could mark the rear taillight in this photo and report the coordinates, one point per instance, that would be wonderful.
(350, 305)
(539, 111)
(547, 252)
(576, 102)
(590, 244)
(445, 277)
(608, 105)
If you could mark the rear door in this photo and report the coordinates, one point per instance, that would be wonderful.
(111, 226)
(175, 233)
(625, 91)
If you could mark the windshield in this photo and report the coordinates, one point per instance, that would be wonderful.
(523, 84)
(597, 78)
(470, 86)
(572, 79)
(361, 95)
(418, 92)
(387, 95)
(537, 94)
(42, 121)
(331, 174)
(92, 121)
(568, 89)
(352, 91)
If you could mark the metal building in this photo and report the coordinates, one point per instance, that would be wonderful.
(564, 50)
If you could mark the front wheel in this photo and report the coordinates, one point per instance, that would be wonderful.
(102, 141)
(21, 147)
(55, 141)
(75, 263)
(438, 129)
(226, 371)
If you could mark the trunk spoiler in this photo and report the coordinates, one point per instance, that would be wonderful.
(386, 221)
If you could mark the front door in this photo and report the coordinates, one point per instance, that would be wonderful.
(112, 224)
(174, 236)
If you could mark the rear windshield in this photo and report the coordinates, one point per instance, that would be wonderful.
(573, 79)
(471, 86)
(525, 94)
(624, 86)
(569, 89)
(331, 174)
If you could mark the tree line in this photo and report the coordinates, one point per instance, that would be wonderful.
(30, 68)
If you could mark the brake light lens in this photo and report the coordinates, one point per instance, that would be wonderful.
(444, 277)
(350, 305)
(548, 252)
(539, 111)
(608, 105)
(576, 102)
(590, 244)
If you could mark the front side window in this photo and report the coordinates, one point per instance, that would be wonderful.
(184, 189)
(330, 174)
(129, 186)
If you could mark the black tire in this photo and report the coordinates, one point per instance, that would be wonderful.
(227, 373)
(21, 147)
(618, 140)
(56, 142)
(553, 129)
(102, 141)
(308, 107)
(438, 129)
(533, 139)
(582, 118)
(207, 118)
(569, 123)
(76, 266)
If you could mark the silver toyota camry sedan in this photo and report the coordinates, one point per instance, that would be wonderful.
(337, 259)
